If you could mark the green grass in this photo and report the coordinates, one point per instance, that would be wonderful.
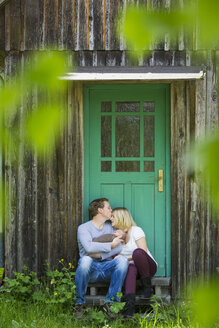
(23, 315)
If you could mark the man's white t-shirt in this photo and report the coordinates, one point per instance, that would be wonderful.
(135, 234)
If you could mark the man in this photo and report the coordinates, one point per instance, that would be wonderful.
(96, 262)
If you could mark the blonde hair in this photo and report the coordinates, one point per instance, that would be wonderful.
(123, 219)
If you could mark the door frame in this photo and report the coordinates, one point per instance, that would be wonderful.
(167, 88)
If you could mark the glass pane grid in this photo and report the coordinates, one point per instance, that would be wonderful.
(149, 106)
(106, 166)
(125, 166)
(106, 106)
(127, 106)
(127, 158)
(106, 136)
(122, 118)
(127, 136)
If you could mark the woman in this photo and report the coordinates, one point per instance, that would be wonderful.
(142, 264)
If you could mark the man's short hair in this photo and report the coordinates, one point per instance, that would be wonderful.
(95, 204)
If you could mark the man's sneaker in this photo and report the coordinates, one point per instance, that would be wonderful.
(78, 310)
(106, 309)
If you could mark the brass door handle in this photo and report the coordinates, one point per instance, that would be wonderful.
(159, 179)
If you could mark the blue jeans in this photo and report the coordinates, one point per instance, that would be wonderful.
(90, 270)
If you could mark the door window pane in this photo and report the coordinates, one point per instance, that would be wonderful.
(106, 166)
(148, 106)
(149, 166)
(129, 166)
(106, 136)
(127, 136)
(106, 106)
(128, 106)
(149, 136)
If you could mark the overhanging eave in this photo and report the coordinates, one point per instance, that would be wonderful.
(136, 73)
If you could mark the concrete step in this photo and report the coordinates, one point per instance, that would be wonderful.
(161, 285)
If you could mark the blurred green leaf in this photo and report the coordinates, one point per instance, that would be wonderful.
(207, 16)
(206, 303)
(45, 70)
(204, 160)
(42, 126)
(141, 26)
(9, 98)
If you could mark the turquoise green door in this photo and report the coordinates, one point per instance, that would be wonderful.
(126, 148)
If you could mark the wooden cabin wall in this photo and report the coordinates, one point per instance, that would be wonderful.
(48, 197)
(194, 234)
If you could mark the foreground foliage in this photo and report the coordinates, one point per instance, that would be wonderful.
(34, 315)
(48, 301)
(20, 314)
(55, 287)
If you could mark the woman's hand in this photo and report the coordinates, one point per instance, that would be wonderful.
(120, 233)
(116, 241)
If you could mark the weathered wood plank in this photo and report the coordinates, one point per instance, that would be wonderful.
(71, 226)
(112, 11)
(13, 23)
(179, 184)
(162, 58)
(156, 3)
(41, 26)
(66, 24)
(51, 23)
(31, 25)
(57, 196)
(10, 170)
(211, 125)
(75, 175)
(2, 29)
(101, 58)
(113, 58)
(197, 249)
(99, 24)
(82, 24)
(178, 58)
(85, 58)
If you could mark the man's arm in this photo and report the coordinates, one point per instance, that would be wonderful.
(85, 239)
(115, 245)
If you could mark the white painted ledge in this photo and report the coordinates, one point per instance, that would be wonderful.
(150, 76)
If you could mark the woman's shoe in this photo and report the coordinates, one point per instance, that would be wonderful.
(147, 289)
(129, 309)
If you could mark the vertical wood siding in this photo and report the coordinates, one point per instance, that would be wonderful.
(2, 29)
(76, 25)
(47, 197)
(194, 235)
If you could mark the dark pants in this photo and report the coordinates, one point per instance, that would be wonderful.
(143, 266)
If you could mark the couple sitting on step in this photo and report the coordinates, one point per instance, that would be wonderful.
(113, 252)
